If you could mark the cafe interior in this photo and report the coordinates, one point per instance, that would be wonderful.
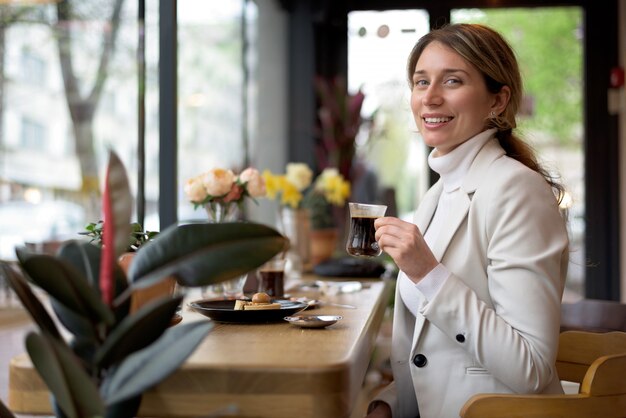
(118, 109)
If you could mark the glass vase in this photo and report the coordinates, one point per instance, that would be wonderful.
(295, 224)
(219, 212)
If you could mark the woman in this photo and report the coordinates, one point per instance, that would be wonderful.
(484, 265)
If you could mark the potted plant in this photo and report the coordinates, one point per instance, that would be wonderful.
(113, 354)
(329, 191)
(136, 238)
(339, 121)
(307, 208)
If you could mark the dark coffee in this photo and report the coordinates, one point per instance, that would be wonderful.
(362, 238)
(272, 282)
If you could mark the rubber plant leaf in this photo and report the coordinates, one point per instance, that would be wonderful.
(85, 257)
(199, 254)
(137, 331)
(73, 390)
(116, 207)
(65, 284)
(32, 304)
(137, 372)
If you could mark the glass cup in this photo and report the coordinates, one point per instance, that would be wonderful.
(361, 240)
(271, 277)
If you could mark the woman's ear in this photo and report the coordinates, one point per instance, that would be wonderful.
(501, 100)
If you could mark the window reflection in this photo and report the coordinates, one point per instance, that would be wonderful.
(68, 93)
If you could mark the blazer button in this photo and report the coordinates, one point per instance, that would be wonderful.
(420, 360)
(460, 338)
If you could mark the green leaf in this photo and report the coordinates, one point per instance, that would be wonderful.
(137, 373)
(85, 257)
(199, 254)
(74, 391)
(121, 202)
(75, 323)
(65, 284)
(137, 331)
(32, 304)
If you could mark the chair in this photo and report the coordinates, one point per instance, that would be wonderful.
(593, 315)
(596, 360)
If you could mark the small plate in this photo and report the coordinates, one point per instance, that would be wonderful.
(310, 303)
(222, 310)
(312, 321)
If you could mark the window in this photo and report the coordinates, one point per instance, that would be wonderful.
(548, 42)
(33, 68)
(379, 44)
(32, 135)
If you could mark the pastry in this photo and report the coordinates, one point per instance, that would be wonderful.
(260, 301)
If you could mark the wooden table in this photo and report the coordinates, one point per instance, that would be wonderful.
(260, 370)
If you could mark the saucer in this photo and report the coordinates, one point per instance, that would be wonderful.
(312, 321)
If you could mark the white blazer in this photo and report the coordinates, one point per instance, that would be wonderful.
(494, 325)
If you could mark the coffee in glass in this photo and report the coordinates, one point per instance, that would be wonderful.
(362, 234)
(271, 277)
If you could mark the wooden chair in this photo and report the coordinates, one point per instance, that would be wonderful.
(596, 360)
(593, 315)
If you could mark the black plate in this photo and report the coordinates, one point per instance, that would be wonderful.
(223, 311)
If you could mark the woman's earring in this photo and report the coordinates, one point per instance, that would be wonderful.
(492, 114)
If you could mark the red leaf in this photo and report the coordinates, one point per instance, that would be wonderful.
(107, 258)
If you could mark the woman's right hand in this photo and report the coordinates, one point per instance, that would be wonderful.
(404, 242)
(379, 410)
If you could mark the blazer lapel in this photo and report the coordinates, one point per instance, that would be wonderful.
(427, 207)
(458, 211)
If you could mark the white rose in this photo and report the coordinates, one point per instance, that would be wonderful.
(194, 189)
(300, 175)
(255, 185)
(218, 181)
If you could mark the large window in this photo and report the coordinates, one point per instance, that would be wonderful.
(549, 45)
(60, 65)
(212, 91)
(71, 88)
(379, 44)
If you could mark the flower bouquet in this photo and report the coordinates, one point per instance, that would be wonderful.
(307, 206)
(221, 192)
(293, 220)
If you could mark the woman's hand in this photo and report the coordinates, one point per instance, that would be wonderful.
(404, 242)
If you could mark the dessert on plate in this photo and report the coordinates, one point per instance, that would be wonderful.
(260, 301)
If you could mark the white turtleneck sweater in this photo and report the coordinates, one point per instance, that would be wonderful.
(452, 168)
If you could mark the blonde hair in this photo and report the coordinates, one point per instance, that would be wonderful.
(490, 53)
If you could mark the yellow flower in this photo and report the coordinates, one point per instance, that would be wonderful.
(272, 186)
(299, 174)
(290, 194)
(333, 186)
(282, 186)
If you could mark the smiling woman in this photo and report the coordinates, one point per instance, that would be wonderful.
(473, 270)
(450, 99)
